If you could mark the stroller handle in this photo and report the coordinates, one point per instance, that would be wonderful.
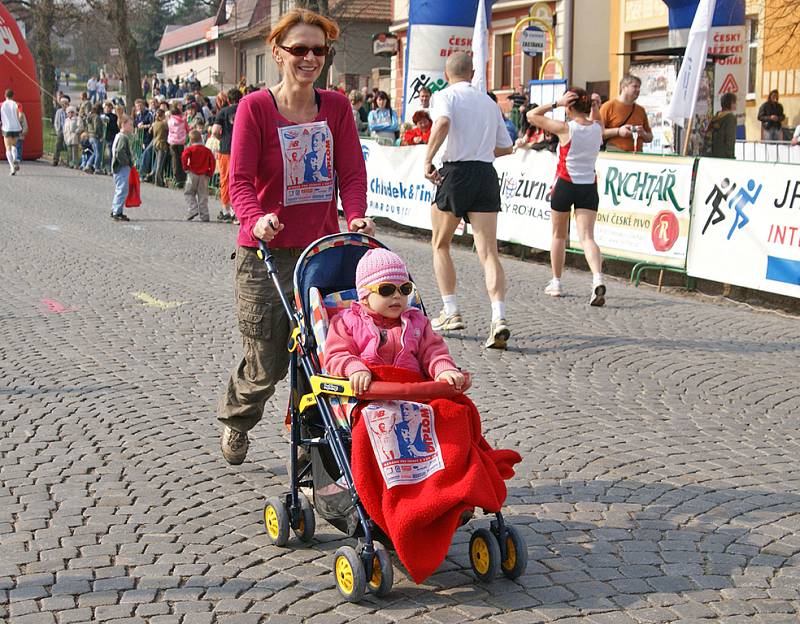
(413, 391)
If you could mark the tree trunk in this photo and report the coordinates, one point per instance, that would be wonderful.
(118, 16)
(44, 18)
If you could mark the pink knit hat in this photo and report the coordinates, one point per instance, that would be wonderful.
(379, 265)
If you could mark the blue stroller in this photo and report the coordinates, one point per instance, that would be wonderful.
(319, 419)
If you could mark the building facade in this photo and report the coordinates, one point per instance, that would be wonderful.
(772, 61)
(579, 43)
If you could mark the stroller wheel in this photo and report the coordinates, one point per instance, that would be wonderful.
(382, 578)
(305, 529)
(513, 566)
(276, 520)
(351, 580)
(484, 555)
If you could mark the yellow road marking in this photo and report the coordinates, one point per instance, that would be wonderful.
(150, 300)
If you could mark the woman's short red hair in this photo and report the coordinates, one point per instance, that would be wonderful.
(303, 16)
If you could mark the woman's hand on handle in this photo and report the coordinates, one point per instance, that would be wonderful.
(363, 225)
(267, 227)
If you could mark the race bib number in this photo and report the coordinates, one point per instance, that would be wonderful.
(403, 437)
(307, 163)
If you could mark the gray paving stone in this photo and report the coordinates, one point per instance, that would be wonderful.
(657, 436)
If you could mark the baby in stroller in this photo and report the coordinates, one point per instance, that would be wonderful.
(381, 336)
(381, 329)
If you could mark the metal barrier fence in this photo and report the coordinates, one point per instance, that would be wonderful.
(768, 151)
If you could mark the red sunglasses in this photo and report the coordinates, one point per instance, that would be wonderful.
(301, 50)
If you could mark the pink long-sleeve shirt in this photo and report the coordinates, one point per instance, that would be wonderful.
(261, 169)
(358, 337)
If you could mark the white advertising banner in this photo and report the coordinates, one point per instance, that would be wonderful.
(398, 190)
(526, 178)
(746, 225)
(396, 185)
(644, 208)
(644, 200)
(429, 47)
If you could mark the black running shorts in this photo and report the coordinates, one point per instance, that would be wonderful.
(565, 195)
(468, 186)
(11, 134)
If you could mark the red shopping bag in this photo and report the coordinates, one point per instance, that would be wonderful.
(134, 197)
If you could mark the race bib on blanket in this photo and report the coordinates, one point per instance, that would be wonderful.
(307, 163)
(403, 436)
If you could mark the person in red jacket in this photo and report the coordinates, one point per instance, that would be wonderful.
(198, 163)
(421, 131)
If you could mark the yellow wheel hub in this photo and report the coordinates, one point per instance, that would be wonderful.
(511, 560)
(344, 575)
(375, 581)
(479, 553)
(301, 526)
(271, 520)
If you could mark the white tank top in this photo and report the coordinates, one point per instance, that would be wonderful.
(9, 116)
(577, 157)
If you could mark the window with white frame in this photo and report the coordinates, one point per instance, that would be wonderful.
(260, 68)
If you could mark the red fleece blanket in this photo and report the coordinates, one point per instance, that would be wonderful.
(421, 518)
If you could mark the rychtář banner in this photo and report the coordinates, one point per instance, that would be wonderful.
(746, 225)
(644, 208)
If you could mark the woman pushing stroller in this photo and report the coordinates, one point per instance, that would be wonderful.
(287, 214)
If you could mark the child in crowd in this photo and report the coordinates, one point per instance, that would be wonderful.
(87, 152)
(160, 145)
(72, 136)
(381, 329)
(212, 142)
(200, 126)
(121, 162)
(198, 162)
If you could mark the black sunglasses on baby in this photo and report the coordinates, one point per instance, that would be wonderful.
(301, 50)
(387, 289)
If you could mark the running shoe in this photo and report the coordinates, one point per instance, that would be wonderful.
(598, 298)
(553, 288)
(498, 335)
(447, 323)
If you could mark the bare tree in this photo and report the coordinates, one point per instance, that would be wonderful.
(116, 12)
(782, 29)
(46, 17)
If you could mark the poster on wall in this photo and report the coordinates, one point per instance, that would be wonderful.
(746, 225)
(644, 208)
(658, 85)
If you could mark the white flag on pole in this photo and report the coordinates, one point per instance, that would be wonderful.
(684, 98)
(480, 48)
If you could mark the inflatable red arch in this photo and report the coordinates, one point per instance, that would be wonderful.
(18, 72)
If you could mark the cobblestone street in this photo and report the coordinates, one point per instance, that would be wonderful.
(659, 436)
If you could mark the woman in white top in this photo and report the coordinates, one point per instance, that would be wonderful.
(579, 142)
(12, 128)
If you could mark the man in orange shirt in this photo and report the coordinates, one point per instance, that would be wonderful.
(622, 118)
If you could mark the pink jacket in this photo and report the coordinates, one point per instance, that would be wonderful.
(353, 340)
(178, 128)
